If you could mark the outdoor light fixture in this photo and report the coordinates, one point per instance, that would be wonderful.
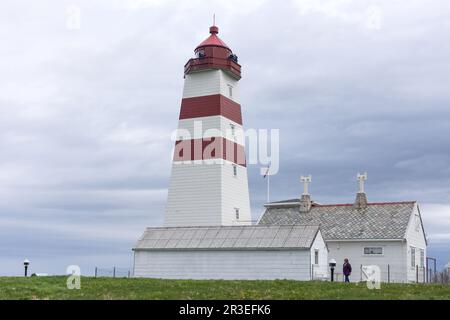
(26, 263)
(332, 266)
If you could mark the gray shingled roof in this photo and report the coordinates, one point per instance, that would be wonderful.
(340, 222)
(239, 237)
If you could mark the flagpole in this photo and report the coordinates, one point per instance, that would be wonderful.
(265, 172)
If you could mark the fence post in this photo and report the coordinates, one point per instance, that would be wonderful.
(389, 273)
(423, 272)
(96, 272)
(114, 272)
(417, 273)
(360, 272)
(435, 269)
(129, 274)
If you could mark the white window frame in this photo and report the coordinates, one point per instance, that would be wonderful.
(235, 171)
(413, 257)
(233, 130)
(230, 91)
(371, 251)
(316, 256)
(422, 258)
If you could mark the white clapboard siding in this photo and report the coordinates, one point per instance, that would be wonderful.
(415, 238)
(393, 255)
(320, 270)
(210, 82)
(235, 195)
(207, 195)
(194, 197)
(226, 265)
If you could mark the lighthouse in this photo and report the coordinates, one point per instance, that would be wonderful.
(209, 183)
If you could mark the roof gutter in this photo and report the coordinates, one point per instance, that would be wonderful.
(222, 249)
(367, 240)
(282, 204)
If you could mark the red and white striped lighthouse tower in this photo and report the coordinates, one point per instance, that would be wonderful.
(209, 184)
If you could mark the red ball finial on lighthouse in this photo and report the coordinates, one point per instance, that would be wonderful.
(214, 30)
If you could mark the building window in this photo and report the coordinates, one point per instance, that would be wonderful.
(230, 91)
(236, 210)
(376, 251)
(422, 258)
(235, 170)
(316, 256)
(413, 257)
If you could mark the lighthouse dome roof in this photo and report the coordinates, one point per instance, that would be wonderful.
(213, 40)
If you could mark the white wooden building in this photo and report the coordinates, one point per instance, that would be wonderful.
(388, 235)
(232, 253)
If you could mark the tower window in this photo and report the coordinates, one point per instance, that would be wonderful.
(235, 170)
(236, 210)
(233, 129)
(230, 91)
(200, 54)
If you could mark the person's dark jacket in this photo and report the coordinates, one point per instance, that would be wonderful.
(347, 269)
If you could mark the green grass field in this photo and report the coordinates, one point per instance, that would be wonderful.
(150, 289)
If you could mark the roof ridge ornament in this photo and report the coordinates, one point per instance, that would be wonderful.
(362, 178)
(305, 200)
(306, 182)
(361, 198)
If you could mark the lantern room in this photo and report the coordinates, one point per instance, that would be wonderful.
(213, 53)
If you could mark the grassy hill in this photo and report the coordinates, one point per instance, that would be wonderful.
(151, 289)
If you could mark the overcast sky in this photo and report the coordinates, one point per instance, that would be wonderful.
(87, 111)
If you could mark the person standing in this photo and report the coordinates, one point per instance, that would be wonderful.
(347, 270)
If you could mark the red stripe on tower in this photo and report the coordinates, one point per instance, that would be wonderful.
(213, 105)
(208, 149)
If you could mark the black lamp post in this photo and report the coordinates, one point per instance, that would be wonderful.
(332, 266)
(26, 263)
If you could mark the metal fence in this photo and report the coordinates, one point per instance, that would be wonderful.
(112, 272)
(439, 277)
(388, 274)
